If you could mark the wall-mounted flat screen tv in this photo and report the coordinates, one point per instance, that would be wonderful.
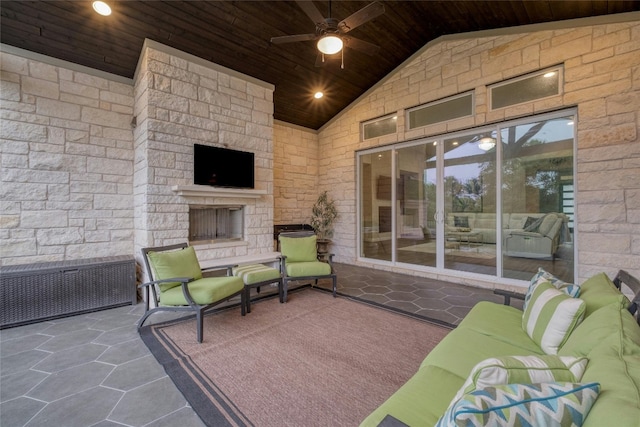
(222, 167)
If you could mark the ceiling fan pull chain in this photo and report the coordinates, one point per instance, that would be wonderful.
(342, 52)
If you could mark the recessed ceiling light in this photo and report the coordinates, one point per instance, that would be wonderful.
(102, 8)
(318, 95)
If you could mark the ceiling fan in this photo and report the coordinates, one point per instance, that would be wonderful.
(331, 34)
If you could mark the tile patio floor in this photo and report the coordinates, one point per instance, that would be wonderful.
(94, 370)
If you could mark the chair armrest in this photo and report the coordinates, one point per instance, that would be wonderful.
(508, 295)
(171, 280)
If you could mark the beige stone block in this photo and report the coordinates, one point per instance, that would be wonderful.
(595, 108)
(587, 82)
(40, 87)
(13, 249)
(611, 39)
(21, 131)
(612, 213)
(586, 94)
(623, 103)
(605, 136)
(560, 51)
(53, 108)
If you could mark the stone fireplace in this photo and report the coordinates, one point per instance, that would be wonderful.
(180, 101)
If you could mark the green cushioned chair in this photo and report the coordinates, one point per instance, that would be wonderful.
(177, 284)
(300, 260)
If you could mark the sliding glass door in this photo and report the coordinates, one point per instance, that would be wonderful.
(470, 202)
(494, 201)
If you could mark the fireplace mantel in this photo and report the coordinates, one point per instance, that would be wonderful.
(218, 192)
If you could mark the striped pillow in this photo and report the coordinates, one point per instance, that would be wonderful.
(524, 370)
(544, 276)
(550, 317)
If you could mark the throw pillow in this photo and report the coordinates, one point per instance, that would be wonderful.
(570, 289)
(523, 370)
(172, 264)
(530, 224)
(556, 404)
(550, 317)
(461, 221)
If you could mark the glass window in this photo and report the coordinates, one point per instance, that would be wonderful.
(376, 205)
(470, 202)
(416, 196)
(537, 198)
(516, 91)
(441, 111)
(379, 127)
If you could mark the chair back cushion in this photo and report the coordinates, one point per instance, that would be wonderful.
(169, 264)
(299, 249)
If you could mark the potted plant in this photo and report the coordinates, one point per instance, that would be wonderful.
(323, 214)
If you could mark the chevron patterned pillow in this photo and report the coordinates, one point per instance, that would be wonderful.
(544, 404)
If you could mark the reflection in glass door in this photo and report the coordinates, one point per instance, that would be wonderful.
(470, 203)
(416, 205)
(537, 198)
(375, 205)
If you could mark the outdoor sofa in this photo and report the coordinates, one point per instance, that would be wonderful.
(607, 340)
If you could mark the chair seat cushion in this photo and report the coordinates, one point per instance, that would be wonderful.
(203, 291)
(256, 273)
(311, 268)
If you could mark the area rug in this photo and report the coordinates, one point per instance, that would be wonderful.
(314, 361)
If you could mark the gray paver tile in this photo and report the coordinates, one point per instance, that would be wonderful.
(68, 358)
(70, 381)
(18, 412)
(16, 385)
(79, 410)
(132, 374)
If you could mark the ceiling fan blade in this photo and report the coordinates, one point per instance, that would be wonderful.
(361, 45)
(358, 18)
(294, 38)
(312, 12)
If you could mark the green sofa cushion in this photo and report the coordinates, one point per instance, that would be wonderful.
(170, 264)
(421, 400)
(203, 291)
(551, 316)
(452, 353)
(599, 291)
(619, 378)
(299, 249)
(313, 268)
(605, 322)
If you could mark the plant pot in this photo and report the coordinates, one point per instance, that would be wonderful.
(323, 248)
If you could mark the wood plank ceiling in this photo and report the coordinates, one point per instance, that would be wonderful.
(236, 34)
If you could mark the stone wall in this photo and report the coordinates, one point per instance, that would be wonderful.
(89, 162)
(295, 173)
(602, 78)
(67, 163)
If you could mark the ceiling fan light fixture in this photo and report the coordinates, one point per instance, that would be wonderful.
(330, 44)
(486, 143)
(102, 8)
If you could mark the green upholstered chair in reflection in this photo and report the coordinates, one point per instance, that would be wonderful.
(177, 284)
(300, 260)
